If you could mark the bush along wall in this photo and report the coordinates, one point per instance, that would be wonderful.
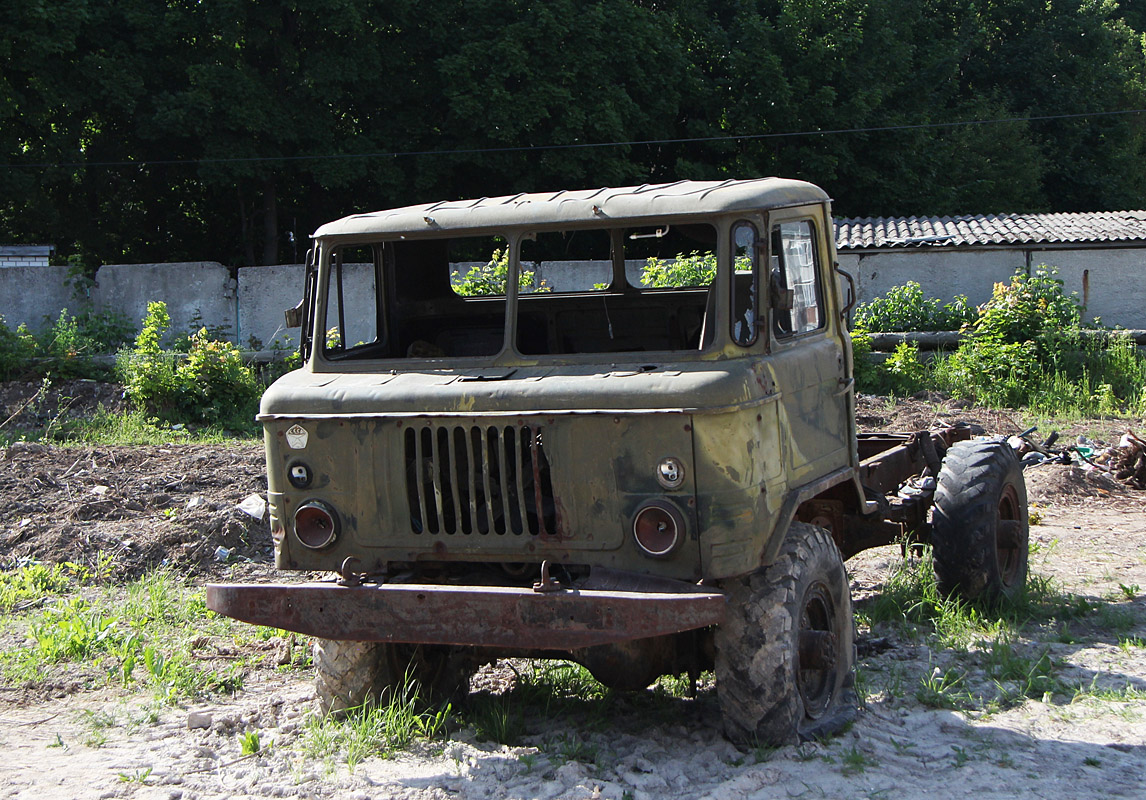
(1025, 347)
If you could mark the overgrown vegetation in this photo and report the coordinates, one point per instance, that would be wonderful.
(1025, 347)
(490, 278)
(985, 659)
(906, 308)
(146, 634)
(65, 346)
(209, 385)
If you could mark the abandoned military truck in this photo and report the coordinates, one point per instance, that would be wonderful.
(612, 426)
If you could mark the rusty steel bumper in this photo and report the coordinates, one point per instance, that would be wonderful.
(467, 615)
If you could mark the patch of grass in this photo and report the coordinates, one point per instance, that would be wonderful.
(29, 584)
(136, 428)
(141, 632)
(249, 743)
(856, 761)
(944, 689)
(911, 601)
(1127, 643)
(497, 718)
(138, 776)
(376, 728)
(1125, 693)
(1018, 676)
(1116, 619)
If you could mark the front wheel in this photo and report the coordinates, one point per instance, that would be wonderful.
(979, 523)
(785, 654)
(351, 674)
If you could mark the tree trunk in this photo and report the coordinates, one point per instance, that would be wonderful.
(245, 231)
(270, 223)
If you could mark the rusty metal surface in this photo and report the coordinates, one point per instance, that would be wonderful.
(467, 615)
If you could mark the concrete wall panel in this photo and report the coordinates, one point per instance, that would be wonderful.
(1109, 282)
(264, 294)
(30, 294)
(941, 273)
(197, 293)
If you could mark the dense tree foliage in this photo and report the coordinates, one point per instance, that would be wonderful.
(139, 130)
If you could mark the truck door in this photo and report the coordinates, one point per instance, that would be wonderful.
(807, 346)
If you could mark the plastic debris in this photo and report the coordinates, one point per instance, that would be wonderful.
(253, 506)
(222, 553)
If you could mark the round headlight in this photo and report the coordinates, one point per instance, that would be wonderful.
(658, 528)
(315, 524)
(670, 473)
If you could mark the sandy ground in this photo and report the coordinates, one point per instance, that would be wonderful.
(70, 742)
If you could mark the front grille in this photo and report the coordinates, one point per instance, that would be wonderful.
(470, 479)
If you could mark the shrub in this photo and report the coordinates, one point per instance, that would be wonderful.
(17, 348)
(1027, 349)
(211, 385)
(490, 278)
(904, 308)
(903, 373)
(692, 269)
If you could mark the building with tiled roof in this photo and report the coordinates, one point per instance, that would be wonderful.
(1126, 228)
(1099, 255)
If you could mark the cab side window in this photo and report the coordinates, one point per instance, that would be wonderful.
(744, 279)
(794, 268)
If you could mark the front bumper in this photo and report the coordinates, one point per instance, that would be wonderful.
(484, 616)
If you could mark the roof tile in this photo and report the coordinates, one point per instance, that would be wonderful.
(1074, 228)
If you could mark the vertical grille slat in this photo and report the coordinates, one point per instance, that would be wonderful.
(472, 485)
(490, 525)
(473, 480)
(436, 472)
(455, 480)
(519, 469)
(503, 501)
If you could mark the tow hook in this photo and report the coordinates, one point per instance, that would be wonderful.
(547, 583)
(347, 576)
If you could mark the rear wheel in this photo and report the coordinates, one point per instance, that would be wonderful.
(785, 654)
(979, 523)
(350, 674)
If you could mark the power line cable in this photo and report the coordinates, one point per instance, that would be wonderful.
(574, 146)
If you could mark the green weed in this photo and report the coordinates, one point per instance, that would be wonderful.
(138, 776)
(856, 761)
(249, 743)
(32, 583)
(944, 689)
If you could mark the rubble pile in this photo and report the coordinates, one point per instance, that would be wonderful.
(1125, 462)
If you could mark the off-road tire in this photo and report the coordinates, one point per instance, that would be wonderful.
(979, 522)
(766, 696)
(350, 674)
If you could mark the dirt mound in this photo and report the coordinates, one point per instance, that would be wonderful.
(124, 510)
(1058, 483)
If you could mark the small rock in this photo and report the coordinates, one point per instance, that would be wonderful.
(24, 447)
(100, 490)
(198, 719)
(196, 501)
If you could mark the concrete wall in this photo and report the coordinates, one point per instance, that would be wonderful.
(266, 292)
(32, 294)
(942, 273)
(198, 293)
(1112, 282)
